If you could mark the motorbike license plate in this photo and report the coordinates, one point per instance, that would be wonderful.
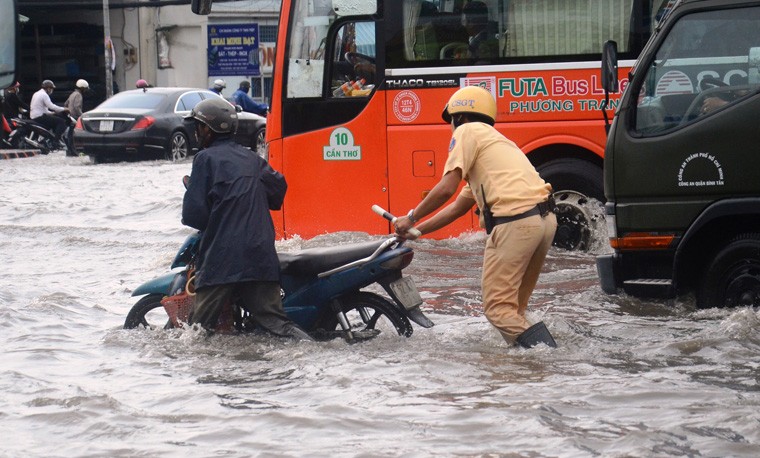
(406, 292)
(106, 125)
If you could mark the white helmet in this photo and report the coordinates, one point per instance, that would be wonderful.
(219, 84)
(82, 84)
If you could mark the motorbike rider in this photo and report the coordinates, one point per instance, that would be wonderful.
(246, 103)
(42, 110)
(74, 102)
(515, 207)
(228, 198)
(218, 87)
(12, 103)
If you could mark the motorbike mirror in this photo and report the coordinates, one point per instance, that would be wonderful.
(186, 180)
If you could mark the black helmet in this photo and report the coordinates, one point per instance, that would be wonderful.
(218, 114)
(48, 84)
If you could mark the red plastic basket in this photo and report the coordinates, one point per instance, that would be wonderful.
(178, 307)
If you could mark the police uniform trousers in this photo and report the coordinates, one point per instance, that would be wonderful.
(512, 261)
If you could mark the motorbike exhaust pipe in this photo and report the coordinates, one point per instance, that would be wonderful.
(32, 143)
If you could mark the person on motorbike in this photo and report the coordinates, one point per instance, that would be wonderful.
(43, 111)
(12, 103)
(229, 196)
(515, 207)
(74, 102)
(218, 87)
(246, 103)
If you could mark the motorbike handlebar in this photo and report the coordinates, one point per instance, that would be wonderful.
(380, 211)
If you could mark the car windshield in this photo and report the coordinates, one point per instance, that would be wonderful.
(143, 100)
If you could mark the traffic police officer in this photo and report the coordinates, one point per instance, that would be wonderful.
(515, 206)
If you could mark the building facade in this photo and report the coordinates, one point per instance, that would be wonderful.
(157, 40)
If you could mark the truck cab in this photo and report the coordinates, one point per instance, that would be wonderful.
(682, 161)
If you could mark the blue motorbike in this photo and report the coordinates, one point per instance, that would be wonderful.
(322, 291)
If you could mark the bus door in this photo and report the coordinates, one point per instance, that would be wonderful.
(333, 137)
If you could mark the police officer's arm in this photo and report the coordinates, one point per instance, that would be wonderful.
(195, 208)
(438, 196)
(451, 212)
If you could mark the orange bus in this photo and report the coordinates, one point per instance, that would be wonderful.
(359, 87)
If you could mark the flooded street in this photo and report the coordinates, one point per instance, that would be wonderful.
(630, 378)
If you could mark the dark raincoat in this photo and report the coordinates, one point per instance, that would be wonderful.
(229, 196)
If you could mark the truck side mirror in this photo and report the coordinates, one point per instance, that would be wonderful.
(610, 67)
(202, 7)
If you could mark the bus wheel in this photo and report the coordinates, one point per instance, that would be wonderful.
(573, 221)
(732, 277)
(574, 182)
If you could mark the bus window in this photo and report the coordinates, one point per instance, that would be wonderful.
(490, 31)
(353, 60)
(310, 25)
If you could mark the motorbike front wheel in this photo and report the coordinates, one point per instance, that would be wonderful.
(149, 313)
(368, 315)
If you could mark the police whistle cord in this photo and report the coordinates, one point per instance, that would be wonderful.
(380, 211)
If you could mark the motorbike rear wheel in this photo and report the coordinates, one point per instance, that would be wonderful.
(140, 314)
(368, 315)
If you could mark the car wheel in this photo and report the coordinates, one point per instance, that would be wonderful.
(260, 144)
(178, 148)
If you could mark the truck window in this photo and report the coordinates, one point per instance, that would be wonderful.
(702, 66)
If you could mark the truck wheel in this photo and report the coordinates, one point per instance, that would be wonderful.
(732, 277)
(574, 182)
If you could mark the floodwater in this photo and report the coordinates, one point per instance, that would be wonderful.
(631, 378)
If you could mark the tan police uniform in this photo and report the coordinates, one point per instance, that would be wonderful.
(515, 251)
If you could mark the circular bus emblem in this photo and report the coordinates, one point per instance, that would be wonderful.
(406, 106)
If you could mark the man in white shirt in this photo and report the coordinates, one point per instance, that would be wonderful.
(42, 109)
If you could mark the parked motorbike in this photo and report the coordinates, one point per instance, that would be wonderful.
(5, 132)
(322, 289)
(27, 133)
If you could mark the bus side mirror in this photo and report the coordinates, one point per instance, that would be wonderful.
(202, 7)
(610, 67)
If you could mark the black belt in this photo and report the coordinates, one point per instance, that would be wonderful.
(542, 209)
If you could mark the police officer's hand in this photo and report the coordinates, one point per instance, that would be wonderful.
(403, 224)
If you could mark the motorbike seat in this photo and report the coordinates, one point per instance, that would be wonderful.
(313, 261)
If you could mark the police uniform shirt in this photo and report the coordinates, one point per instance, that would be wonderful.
(488, 159)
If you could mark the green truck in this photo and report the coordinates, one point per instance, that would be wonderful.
(682, 160)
